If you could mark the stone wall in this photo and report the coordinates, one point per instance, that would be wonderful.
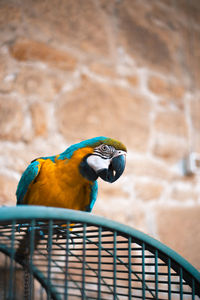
(128, 69)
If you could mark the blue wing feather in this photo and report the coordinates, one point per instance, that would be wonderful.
(27, 178)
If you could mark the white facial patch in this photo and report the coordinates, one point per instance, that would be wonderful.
(97, 163)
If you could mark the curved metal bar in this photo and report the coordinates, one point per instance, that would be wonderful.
(24, 212)
(122, 263)
(78, 259)
(36, 273)
(62, 268)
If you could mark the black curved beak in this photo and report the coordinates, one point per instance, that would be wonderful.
(115, 170)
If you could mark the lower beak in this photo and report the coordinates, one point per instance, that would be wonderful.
(115, 170)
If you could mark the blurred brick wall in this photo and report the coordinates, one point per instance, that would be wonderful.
(128, 69)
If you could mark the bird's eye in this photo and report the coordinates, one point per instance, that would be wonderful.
(105, 148)
(104, 151)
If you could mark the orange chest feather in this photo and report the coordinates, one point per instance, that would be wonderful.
(60, 184)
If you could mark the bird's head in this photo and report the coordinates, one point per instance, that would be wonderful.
(106, 159)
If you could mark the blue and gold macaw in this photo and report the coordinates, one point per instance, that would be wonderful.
(69, 180)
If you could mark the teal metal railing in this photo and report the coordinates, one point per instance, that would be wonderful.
(64, 254)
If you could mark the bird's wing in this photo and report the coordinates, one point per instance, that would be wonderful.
(26, 180)
(93, 196)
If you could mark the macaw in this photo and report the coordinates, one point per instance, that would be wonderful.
(69, 180)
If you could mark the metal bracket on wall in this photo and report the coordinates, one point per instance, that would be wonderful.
(190, 165)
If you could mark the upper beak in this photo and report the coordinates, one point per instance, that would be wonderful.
(115, 169)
